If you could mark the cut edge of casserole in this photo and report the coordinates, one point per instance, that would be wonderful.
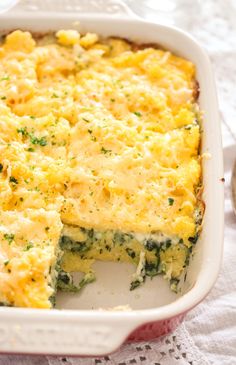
(100, 161)
(29, 252)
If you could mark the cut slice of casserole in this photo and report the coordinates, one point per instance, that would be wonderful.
(28, 257)
(103, 136)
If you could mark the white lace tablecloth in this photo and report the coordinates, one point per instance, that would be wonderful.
(208, 335)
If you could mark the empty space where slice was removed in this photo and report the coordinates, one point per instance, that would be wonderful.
(99, 162)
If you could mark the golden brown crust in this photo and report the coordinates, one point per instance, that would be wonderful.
(141, 46)
(196, 90)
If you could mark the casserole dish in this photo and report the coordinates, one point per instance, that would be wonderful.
(78, 326)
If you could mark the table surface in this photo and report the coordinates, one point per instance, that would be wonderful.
(208, 335)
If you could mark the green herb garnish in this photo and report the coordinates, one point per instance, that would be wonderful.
(28, 246)
(33, 139)
(9, 237)
(104, 150)
(170, 201)
(40, 141)
(5, 78)
(23, 131)
(13, 180)
(188, 127)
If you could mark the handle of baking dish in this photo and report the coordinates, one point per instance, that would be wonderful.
(67, 333)
(112, 7)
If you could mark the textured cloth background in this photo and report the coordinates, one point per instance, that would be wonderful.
(208, 335)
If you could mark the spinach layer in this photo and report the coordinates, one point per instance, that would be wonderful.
(161, 255)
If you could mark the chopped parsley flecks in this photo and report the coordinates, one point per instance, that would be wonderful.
(33, 139)
(188, 127)
(3, 97)
(28, 246)
(5, 78)
(23, 131)
(9, 237)
(13, 180)
(92, 137)
(40, 141)
(171, 201)
(105, 151)
(138, 114)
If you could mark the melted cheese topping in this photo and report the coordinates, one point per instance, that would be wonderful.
(29, 242)
(101, 133)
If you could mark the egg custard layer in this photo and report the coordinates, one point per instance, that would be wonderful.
(99, 160)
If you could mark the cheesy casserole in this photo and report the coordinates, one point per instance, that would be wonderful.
(99, 160)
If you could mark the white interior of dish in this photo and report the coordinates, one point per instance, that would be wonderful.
(112, 285)
(112, 289)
